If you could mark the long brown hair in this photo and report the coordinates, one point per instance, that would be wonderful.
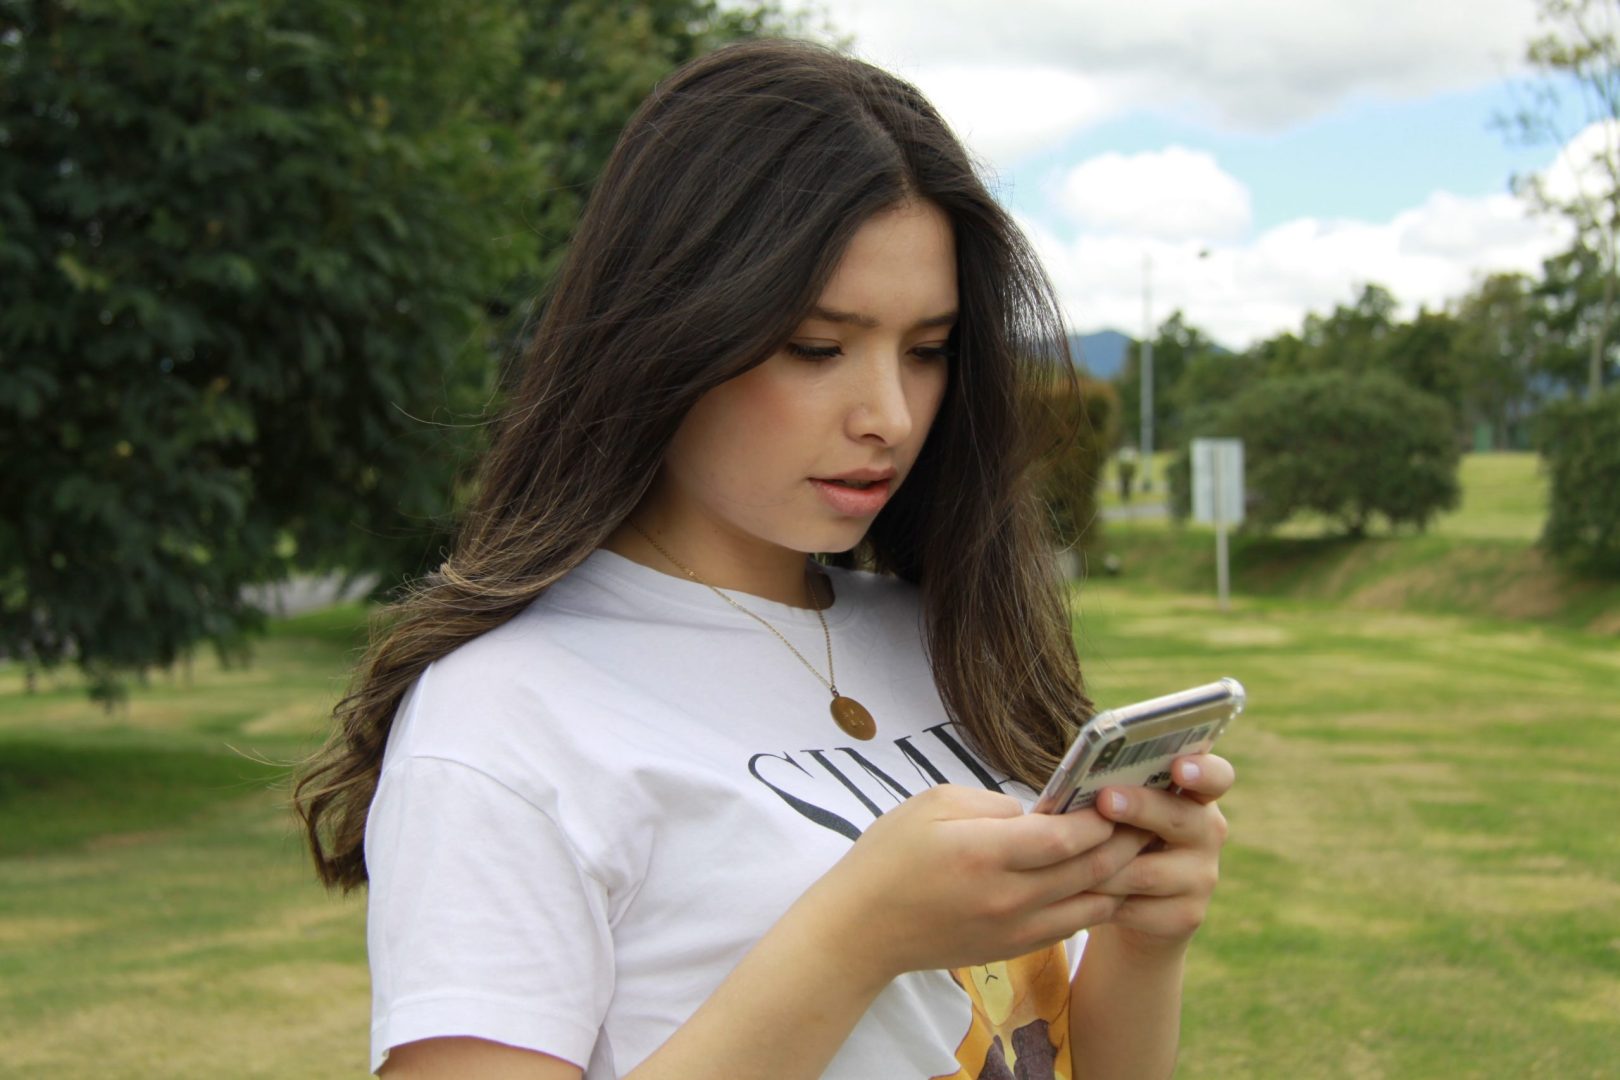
(722, 213)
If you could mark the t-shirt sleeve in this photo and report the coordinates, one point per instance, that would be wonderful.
(480, 919)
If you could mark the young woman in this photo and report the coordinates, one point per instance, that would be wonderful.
(640, 787)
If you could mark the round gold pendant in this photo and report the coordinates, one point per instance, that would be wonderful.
(852, 716)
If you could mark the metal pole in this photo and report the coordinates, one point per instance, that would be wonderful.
(1223, 581)
(1147, 372)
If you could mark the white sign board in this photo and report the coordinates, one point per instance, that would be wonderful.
(1217, 481)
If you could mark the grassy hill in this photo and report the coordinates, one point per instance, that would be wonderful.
(1480, 559)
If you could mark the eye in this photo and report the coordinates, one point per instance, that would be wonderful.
(813, 352)
(936, 352)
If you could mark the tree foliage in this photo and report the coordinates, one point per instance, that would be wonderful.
(247, 248)
(1578, 52)
(1176, 345)
(1342, 445)
(1581, 444)
(1080, 427)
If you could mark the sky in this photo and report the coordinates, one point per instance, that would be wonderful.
(1244, 161)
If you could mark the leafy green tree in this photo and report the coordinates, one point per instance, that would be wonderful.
(1211, 379)
(1498, 344)
(1423, 355)
(1577, 54)
(585, 65)
(1353, 337)
(1348, 447)
(1575, 317)
(1581, 443)
(1176, 345)
(247, 250)
(1283, 354)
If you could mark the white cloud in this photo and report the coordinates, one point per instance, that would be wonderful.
(1240, 292)
(1246, 64)
(1171, 193)
(1586, 166)
(1004, 112)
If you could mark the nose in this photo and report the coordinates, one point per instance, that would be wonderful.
(881, 407)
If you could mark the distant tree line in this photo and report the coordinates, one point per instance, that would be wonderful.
(1360, 416)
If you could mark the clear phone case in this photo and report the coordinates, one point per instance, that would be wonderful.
(1133, 746)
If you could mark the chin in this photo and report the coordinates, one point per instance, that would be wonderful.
(830, 539)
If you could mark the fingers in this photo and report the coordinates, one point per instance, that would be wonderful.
(1040, 840)
(1085, 871)
(1170, 873)
(1181, 821)
(1203, 777)
(1066, 917)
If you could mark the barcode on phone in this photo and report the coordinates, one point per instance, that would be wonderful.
(1163, 745)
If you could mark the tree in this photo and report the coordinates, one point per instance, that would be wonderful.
(1423, 355)
(1345, 446)
(1079, 427)
(1571, 306)
(1581, 443)
(246, 251)
(1499, 343)
(1579, 49)
(585, 65)
(1174, 347)
(1352, 338)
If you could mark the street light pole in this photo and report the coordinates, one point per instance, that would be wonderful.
(1146, 353)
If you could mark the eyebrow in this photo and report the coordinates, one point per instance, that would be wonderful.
(867, 322)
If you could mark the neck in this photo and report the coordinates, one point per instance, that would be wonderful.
(744, 565)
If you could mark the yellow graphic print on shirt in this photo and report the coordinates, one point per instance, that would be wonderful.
(1020, 1026)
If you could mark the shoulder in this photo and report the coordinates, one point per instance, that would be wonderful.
(477, 704)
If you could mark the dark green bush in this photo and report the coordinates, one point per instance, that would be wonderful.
(1580, 441)
(1345, 446)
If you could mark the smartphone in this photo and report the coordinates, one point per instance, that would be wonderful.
(1133, 746)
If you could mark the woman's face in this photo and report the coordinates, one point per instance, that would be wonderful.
(802, 451)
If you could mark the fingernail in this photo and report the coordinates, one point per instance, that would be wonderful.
(1190, 773)
(1116, 802)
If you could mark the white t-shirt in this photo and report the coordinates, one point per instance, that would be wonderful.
(588, 815)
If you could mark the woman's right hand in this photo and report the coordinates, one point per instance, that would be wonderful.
(957, 876)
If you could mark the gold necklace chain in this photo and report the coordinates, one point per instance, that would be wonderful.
(825, 632)
(849, 714)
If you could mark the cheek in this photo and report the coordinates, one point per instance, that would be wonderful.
(735, 429)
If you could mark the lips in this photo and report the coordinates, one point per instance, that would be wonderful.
(861, 493)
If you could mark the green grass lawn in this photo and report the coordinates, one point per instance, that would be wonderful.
(1424, 872)
(1422, 881)
(158, 917)
(1504, 497)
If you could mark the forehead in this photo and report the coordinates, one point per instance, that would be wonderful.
(901, 263)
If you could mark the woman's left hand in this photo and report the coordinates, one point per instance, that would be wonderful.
(1168, 886)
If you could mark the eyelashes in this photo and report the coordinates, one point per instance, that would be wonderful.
(812, 352)
(828, 352)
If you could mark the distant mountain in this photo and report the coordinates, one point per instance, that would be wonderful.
(1102, 354)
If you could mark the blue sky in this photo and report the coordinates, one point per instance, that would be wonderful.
(1369, 159)
(1247, 161)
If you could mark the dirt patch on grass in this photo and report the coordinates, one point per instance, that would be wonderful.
(1258, 635)
(36, 930)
